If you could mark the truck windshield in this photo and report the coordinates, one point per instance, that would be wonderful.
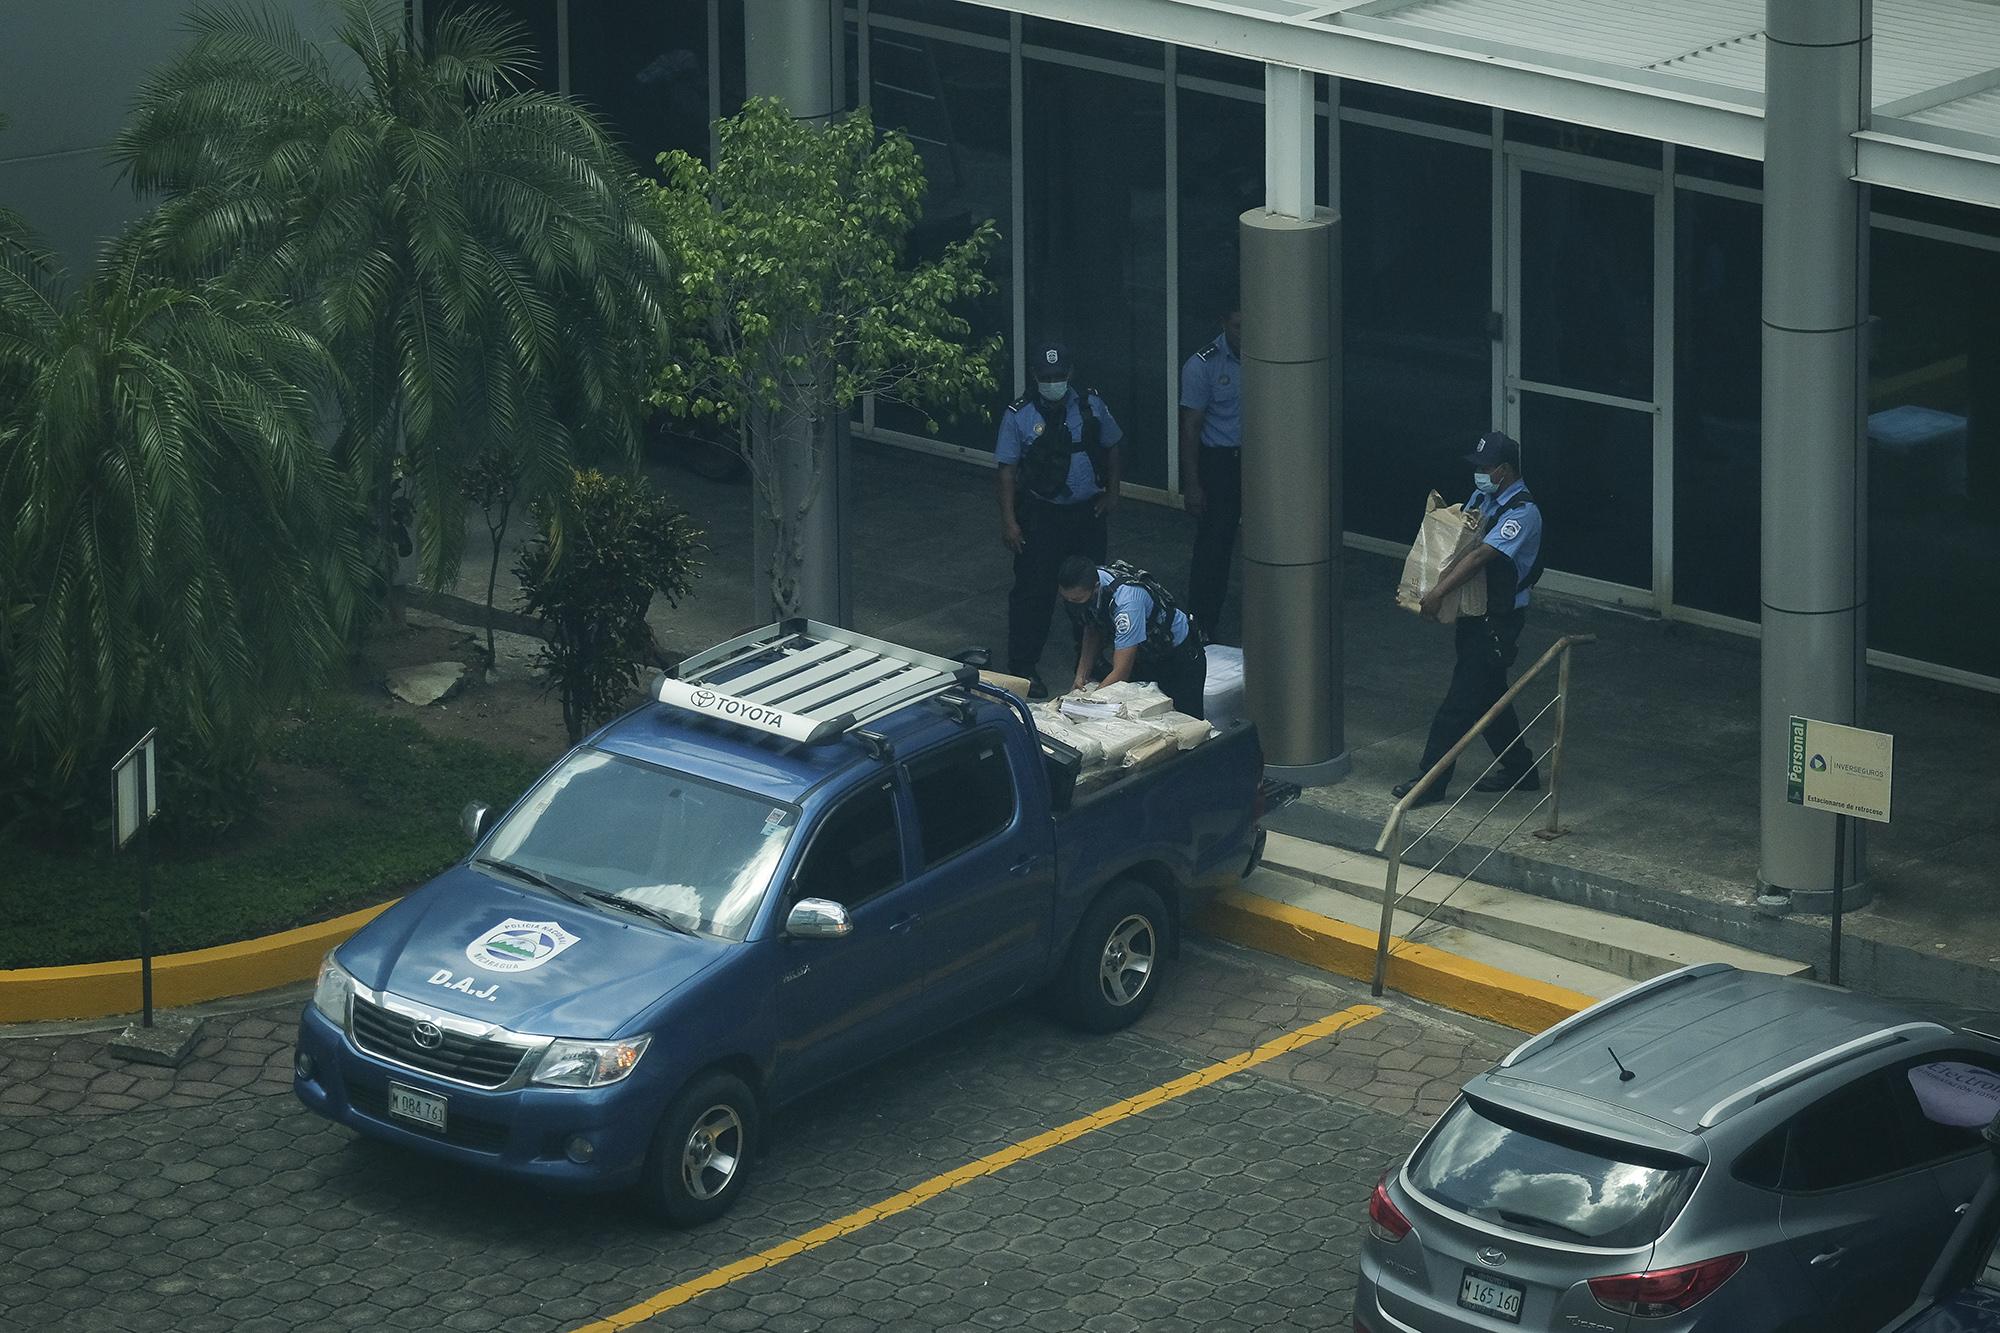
(699, 853)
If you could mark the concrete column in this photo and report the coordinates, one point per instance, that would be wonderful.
(1291, 494)
(1815, 461)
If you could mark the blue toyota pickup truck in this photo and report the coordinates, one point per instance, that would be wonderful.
(811, 849)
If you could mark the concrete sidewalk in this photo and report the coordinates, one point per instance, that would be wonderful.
(1660, 784)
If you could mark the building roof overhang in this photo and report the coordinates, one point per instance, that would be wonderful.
(1689, 73)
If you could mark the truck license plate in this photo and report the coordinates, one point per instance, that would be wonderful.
(423, 1107)
(1480, 1292)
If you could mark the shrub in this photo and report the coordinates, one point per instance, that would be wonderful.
(589, 575)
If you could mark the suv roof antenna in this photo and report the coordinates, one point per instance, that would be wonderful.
(1624, 1075)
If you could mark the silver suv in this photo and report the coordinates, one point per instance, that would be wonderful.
(1712, 1149)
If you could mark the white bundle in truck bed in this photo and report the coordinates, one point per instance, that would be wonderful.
(1136, 699)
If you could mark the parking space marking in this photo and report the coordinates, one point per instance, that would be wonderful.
(993, 1162)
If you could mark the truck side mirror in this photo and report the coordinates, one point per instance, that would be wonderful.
(817, 919)
(474, 819)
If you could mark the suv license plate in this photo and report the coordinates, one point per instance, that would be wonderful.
(423, 1107)
(1481, 1292)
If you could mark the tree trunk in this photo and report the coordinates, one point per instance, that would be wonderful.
(797, 546)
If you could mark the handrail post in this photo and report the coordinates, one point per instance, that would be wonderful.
(1388, 904)
(1556, 764)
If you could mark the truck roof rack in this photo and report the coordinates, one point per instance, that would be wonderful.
(807, 682)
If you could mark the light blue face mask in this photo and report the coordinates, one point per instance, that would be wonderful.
(1483, 482)
(1053, 390)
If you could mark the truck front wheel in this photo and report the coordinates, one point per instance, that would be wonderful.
(1116, 960)
(701, 1151)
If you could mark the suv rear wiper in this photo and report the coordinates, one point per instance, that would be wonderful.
(534, 877)
(1513, 1218)
(634, 905)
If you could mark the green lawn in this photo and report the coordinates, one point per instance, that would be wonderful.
(391, 824)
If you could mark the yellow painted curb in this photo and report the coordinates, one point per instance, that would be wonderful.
(1415, 970)
(98, 990)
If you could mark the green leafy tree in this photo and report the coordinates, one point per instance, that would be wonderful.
(796, 297)
(174, 541)
(624, 543)
(475, 254)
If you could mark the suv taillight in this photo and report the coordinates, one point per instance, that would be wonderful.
(1385, 1221)
(1668, 1291)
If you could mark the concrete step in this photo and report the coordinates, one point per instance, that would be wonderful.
(1279, 885)
(1608, 946)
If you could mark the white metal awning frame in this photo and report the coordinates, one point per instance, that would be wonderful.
(1930, 141)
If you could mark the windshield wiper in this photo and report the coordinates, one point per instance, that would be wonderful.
(534, 877)
(633, 905)
(1513, 1218)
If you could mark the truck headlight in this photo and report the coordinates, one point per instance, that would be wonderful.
(334, 991)
(589, 1064)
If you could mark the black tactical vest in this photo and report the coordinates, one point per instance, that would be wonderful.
(1159, 622)
(1045, 467)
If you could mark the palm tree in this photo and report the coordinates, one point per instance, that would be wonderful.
(473, 253)
(176, 545)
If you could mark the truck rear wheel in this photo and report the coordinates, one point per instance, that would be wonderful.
(701, 1151)
(1116, 961)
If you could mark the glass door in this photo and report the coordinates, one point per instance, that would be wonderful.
(1583, 389)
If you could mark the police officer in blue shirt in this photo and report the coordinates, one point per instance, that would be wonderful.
(1510, 560)
(1212, 464)
(1150, 638)
(1058, 456)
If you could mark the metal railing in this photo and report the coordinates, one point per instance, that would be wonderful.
(1392, 841)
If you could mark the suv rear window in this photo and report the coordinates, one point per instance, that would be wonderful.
(1538, 1179)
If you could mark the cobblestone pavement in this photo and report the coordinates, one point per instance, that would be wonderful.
(207, 1199)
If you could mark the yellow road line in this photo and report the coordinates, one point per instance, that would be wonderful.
(983, 1166)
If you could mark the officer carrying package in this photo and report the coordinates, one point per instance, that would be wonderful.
(1159, 622)
(1045, 469)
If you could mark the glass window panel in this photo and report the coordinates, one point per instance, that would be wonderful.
(1718, 403)
(643, 66)
(1078, 40)
(1586, 286)
(963, 796)
(952, 101)
(945, 14)
(1591, 470)
(1196, 64)
(1933, 449)
(734, 85)
(1581, 139)
(857, 853)
(1095, 152)
(1718, 167)
(1944, 212)
(536, 17)
(1415, 106)
(1221, 175)
(1416, 276)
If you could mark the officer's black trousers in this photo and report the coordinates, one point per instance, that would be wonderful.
(1051, 533)
(1221, 476)
(1486, 648)
(1182, 675)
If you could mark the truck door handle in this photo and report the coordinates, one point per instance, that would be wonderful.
(1828, 1258)
(902, 925)
(1960, 1210)
(1024, 867)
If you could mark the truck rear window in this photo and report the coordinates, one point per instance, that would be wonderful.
(1517, 1172)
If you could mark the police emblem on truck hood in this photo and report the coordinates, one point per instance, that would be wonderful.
(518, 946)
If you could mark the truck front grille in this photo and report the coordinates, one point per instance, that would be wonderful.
(475, 1060)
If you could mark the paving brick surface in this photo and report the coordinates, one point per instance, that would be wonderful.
(135, 1199)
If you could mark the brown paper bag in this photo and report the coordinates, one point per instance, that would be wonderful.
(1446, 534)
